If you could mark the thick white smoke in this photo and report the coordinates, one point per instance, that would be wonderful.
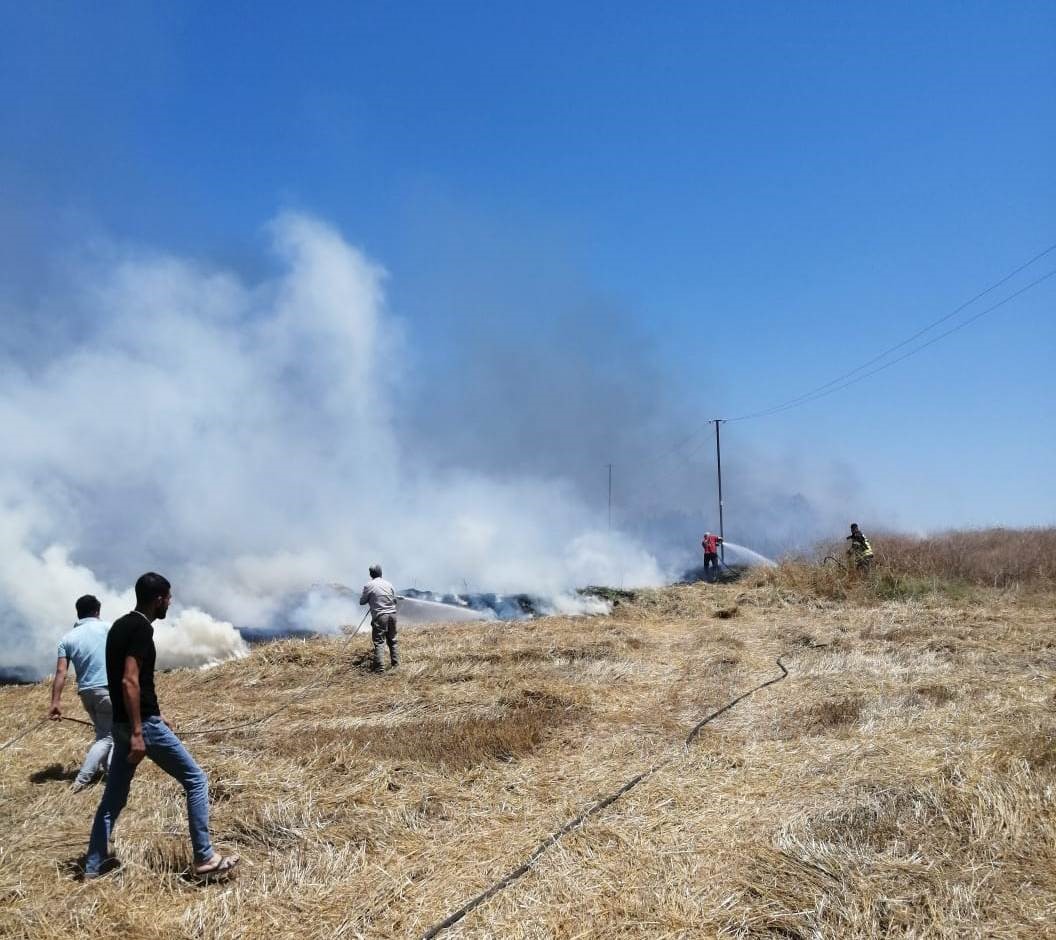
(242, 439)
(44, 586)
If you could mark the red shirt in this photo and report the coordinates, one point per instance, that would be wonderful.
(711, 544)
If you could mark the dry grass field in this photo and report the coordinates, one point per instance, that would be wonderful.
(901, 782)
(952, 561)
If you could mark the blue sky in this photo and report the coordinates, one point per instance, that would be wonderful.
(767, 194)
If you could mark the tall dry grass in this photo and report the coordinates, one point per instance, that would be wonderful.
(991, 557)
(955, 565)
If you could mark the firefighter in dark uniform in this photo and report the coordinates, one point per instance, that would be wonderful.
(859, 552)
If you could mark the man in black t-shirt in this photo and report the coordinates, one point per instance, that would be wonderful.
(132, 635)
(140, 730)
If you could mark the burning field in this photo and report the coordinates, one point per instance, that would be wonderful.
(901, 781)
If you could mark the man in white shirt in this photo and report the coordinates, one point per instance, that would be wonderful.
(85, 648)
(381, 596)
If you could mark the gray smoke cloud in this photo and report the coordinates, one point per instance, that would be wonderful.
(557, 378)
(558, 381)
(250, 438)
(242, 438)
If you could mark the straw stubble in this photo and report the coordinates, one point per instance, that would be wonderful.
(901, 781)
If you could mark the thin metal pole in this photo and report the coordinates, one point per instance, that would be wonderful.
(718, 466)
(610, 496)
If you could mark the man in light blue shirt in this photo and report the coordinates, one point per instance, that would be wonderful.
(85, 647)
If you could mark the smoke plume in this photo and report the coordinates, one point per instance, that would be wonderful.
(242, 438)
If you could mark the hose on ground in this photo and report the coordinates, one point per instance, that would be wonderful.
(27, 731)
(78, 721)
(293, 701)
(592, 810)
(33, 727)
(543, 846)
(199, 731)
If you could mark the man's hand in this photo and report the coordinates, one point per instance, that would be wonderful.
(168, 724)
(55, 712)
(137, 749)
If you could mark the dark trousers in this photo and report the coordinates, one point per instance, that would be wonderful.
(711, 565)
(864, 563)
(382, 631)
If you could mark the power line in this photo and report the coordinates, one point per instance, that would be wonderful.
(859, 374)
(830, 389)
(670, 473)
(673, 449)
(846, 378)
(821, 390)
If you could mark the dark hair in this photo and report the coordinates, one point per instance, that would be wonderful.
(375, 571)
(150, 586)
(854, 525)
(88, 606)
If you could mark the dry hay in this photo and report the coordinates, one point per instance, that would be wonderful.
(900, 782)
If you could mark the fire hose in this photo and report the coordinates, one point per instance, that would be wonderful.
(198, 731)
(551, 840)
(543, 846)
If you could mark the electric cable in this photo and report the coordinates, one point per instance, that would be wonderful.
(838, 383)
(669, 473)
(847, 378)
(880, 356)
(852, 377)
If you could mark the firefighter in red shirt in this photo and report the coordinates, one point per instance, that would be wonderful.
(710, 543)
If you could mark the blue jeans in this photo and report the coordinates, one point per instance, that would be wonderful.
(166, 750)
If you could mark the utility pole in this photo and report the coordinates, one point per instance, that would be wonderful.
(609, 465)
(718, 466)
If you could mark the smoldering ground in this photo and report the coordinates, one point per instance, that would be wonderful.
(250, 439)
(241, 438)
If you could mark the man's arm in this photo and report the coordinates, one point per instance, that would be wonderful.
(363, 598)
(57, 685)
(130, 693)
